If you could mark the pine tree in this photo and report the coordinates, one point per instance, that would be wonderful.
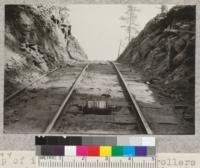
(130, 21)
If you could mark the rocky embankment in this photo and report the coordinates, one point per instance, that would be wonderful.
(36, 41)
(164, 52)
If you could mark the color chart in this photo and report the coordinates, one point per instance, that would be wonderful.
(95, 152)
(119, 146)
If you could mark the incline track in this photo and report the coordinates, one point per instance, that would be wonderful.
(127, 117)
(50, 126)
(55, 103)
(30, 109)
(142, 119)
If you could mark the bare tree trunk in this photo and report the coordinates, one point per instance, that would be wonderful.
(130, 22)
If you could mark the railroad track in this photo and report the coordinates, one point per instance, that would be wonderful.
(29, 109)
(68, 120)
(134, 103)
(52, 123)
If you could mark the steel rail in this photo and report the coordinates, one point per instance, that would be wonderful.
(59, 111)
(8, 98)
(141, 117)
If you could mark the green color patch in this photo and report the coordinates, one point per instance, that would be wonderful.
(117, 151)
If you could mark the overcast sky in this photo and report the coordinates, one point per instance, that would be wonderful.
(98, 27)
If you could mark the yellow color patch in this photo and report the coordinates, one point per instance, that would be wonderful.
(105, 151)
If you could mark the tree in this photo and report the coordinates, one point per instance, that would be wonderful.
(130, 21)
(164, 8)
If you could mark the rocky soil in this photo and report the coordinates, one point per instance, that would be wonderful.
(35, 43)
(164, 52)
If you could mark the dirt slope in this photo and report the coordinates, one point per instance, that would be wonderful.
(35, 43)
(164, 52)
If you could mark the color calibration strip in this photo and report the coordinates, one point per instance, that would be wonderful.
(95, 146)
(100, 151)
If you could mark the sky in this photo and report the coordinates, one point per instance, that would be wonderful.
(98, 27)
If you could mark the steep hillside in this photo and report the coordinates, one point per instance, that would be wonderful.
(36, 41)
(164, 52)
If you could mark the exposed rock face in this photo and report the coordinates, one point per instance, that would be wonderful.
(35, 43)
(165, 50)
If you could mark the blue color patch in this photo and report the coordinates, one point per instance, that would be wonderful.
(129, 151)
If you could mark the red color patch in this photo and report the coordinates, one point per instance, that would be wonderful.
(93, 150)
